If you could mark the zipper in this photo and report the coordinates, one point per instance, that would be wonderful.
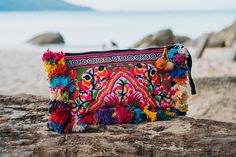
(122, 50)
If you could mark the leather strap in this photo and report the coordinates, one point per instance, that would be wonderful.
(191, 82)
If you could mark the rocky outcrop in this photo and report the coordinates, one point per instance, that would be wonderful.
(161, 38)
(47, 38)
(40, 5)
(180, 39)
(23, 132)
(223, 38)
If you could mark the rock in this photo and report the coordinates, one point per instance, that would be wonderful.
(144, 42)
(224, 38)
(47, 38)
(197, 41)
(201, 46)
(163, 37)
(216, 41)
(181, 39)
(183, 136)
(190, 43)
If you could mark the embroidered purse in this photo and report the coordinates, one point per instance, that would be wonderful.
(117, 87)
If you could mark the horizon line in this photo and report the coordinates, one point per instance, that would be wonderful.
(125, 11)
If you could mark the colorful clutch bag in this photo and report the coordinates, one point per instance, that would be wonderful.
(117, 87)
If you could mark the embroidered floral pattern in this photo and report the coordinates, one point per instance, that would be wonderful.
(115, 88)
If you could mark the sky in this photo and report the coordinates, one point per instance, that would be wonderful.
(157, 5)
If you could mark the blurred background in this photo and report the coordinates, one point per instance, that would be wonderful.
(206, 27)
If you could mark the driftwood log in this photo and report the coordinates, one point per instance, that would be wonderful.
(23, 132)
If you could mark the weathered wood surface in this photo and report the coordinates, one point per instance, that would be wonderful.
(23, 132)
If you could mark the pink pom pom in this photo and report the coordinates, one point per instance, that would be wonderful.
(123, 115)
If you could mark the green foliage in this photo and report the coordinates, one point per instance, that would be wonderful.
(95, 94)
(77, 101)
(150, 89)
(80, 71)
(157, 99)
(86, 105)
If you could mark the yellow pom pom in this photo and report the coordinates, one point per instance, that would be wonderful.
(168, 109)
(170, 114)
(61, 62)
(183, 108)
(150, 115)
(49, 67)
(52, 67)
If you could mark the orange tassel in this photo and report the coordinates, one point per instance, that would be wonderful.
(161, 62)
(180, 81)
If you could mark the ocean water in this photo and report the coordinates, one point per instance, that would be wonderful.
(94, 29)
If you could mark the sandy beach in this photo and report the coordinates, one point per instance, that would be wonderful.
(22, 72)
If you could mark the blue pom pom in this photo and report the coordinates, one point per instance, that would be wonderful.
(175, 111)
(57, 127)
(173, 51)
(60, 81)
(139, 116)
(72, 88)
(178, 71)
